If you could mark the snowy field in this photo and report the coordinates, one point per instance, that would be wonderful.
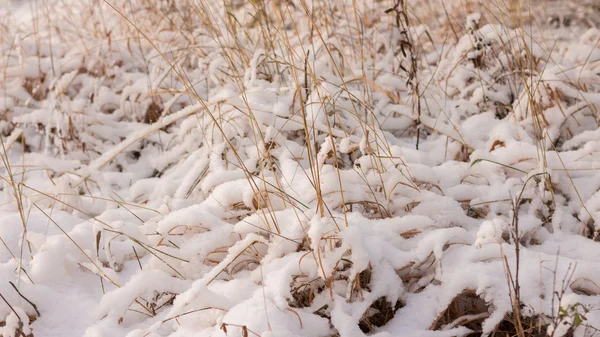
(283, 168)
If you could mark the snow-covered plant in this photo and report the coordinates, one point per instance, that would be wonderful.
(296, 168)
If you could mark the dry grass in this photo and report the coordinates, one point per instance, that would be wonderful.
(469, 310)
(291, 49)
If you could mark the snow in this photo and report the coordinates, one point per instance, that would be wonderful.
(229, 169)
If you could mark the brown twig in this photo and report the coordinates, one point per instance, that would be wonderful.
(25, 298)
(11, 308)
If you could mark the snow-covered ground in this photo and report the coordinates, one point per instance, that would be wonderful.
(299, 168)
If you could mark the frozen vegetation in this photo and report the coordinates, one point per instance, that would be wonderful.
(299, 168)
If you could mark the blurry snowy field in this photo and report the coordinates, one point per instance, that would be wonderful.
(299, 168)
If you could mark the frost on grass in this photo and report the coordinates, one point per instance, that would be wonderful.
(292, 168)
